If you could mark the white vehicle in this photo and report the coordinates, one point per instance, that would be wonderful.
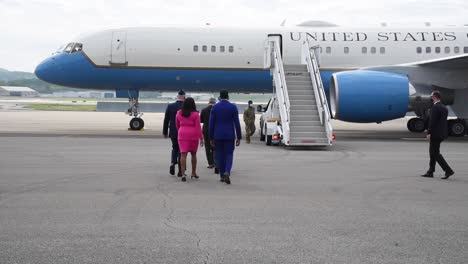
(270, 123)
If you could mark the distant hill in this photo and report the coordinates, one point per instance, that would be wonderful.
(18, 78)
(7, 76)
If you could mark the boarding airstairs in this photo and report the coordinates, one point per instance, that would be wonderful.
(304, 113)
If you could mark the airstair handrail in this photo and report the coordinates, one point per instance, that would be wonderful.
(279, 77)
(309, 53)
(310, 67)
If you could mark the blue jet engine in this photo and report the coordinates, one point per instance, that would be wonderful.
(363, 96)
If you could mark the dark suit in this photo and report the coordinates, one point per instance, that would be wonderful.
(224, 128)
(438, 131)
(170, 124)
(205, 119)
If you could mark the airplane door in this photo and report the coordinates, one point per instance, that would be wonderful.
(279, 38)
(119, 50)
(268, 51)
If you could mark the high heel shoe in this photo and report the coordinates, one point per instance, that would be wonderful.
(194, 176)
(183, 178)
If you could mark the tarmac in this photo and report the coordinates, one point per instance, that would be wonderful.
(78, 187)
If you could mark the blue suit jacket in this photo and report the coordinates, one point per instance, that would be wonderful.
(170, 119)
(224, 121)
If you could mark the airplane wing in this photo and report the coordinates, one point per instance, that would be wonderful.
(448, 72)
(449, 63)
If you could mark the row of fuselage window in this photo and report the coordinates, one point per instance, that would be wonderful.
(446, 50)
(204, 48)
(419, 50)
(328, 50)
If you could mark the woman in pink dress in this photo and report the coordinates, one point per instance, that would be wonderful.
(190, 133)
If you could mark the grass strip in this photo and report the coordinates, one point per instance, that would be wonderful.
(61, 107)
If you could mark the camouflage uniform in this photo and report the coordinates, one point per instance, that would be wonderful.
(249, 120)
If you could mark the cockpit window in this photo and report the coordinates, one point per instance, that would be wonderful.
(60, 49)
(77, 48)
(69, 47)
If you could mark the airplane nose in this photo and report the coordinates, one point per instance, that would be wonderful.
(39, 71)
(43, 70)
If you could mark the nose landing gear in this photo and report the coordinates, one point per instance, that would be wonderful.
(136, 123)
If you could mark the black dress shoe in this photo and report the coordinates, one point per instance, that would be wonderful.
(226, 178)
(221, 179)
(183, 178)
(179, 174)
(448, 174)
(172, 169)
(428, 175)
(216, 171)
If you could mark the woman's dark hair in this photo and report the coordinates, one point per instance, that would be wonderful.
(188, 107)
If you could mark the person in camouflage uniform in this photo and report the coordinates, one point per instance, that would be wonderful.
(249, 120)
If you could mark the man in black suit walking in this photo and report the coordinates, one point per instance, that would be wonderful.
(170, 124)
(205, 119)
(436, 133)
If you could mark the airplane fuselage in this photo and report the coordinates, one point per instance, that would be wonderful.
(210, 59)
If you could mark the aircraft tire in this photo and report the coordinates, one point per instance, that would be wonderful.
(409, 124)
(456, 128)
(137, 123)
(419, 125)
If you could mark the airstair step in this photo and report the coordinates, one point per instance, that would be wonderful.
(289, 73)
(301, 82)
(302, 101)
(304, 112)
(295, 67)
(295, 129)
(300, 92)
(297, 73)
(309, 97)
(290, 78)
(305, 118)
(320, 134)
(296, 123)
(304, 107)
(309, 142)
(293, 86)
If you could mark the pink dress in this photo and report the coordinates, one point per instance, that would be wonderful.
(189, 131)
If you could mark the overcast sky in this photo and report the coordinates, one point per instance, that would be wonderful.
(30, 30)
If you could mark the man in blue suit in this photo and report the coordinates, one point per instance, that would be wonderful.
(170, 124)
(224, 132)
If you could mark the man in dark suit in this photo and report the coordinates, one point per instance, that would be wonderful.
(170, 125)
(205, 119)
(436, 133)
(225, 131)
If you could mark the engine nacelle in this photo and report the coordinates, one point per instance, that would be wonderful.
(368, 96)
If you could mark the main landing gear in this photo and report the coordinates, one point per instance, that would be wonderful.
(417, 124)
(455, 127)
(136, 123)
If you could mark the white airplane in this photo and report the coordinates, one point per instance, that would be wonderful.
(358, 66)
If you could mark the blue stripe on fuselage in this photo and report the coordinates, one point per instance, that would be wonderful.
(75, 70)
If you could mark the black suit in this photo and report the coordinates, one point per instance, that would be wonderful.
(205, 119)
(438, 132)
(170, 124)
